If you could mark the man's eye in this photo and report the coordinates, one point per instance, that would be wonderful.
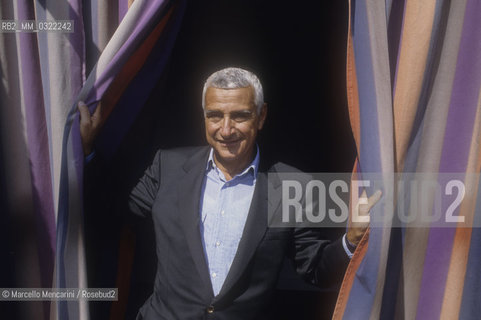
(241, 117)
(214, 116)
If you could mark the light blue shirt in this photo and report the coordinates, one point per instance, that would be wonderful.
(224, 206)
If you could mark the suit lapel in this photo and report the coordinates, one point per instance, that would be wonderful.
(189, 191)
(254, 230)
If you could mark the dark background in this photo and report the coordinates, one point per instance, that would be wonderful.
(298, 52)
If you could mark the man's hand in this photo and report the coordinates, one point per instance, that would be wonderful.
(356, 229)
(90, 125)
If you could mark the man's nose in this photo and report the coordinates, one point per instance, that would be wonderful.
(227, 128)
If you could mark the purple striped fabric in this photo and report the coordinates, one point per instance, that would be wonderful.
(134, 29)
(38, 147)
(454, 158)
(435, 110)
(46, 75)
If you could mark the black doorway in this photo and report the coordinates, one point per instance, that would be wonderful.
(298, 52)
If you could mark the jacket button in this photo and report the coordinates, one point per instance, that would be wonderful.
(210, 309)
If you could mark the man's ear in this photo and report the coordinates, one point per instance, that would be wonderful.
(262, 116)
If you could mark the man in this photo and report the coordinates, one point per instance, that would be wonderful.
(217, 258)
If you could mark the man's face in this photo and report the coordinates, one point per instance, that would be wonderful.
(231, 124)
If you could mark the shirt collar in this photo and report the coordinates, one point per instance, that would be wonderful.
(254, 165)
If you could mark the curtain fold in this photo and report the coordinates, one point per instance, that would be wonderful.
(116, 53)
(413, 85)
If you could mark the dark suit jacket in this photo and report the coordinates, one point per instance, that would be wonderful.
(170, 192)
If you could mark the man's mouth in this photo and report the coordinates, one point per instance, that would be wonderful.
(229, 142)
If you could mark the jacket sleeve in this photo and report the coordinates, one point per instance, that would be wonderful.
(318, 260)
(143, 195)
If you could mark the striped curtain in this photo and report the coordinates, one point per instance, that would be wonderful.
(117, 52)
(413, 85)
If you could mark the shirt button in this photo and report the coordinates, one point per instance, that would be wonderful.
(214, 274)
(222, 212)
(217, 243)
(210, 309)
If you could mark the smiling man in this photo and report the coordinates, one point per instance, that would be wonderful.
(217, 257)
(233, 116)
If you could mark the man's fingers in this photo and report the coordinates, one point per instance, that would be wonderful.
(364, 208)
(84, 112)
(374, 198)
(97, 116)
(94, 120)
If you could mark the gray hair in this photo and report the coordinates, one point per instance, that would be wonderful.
(234, 78)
